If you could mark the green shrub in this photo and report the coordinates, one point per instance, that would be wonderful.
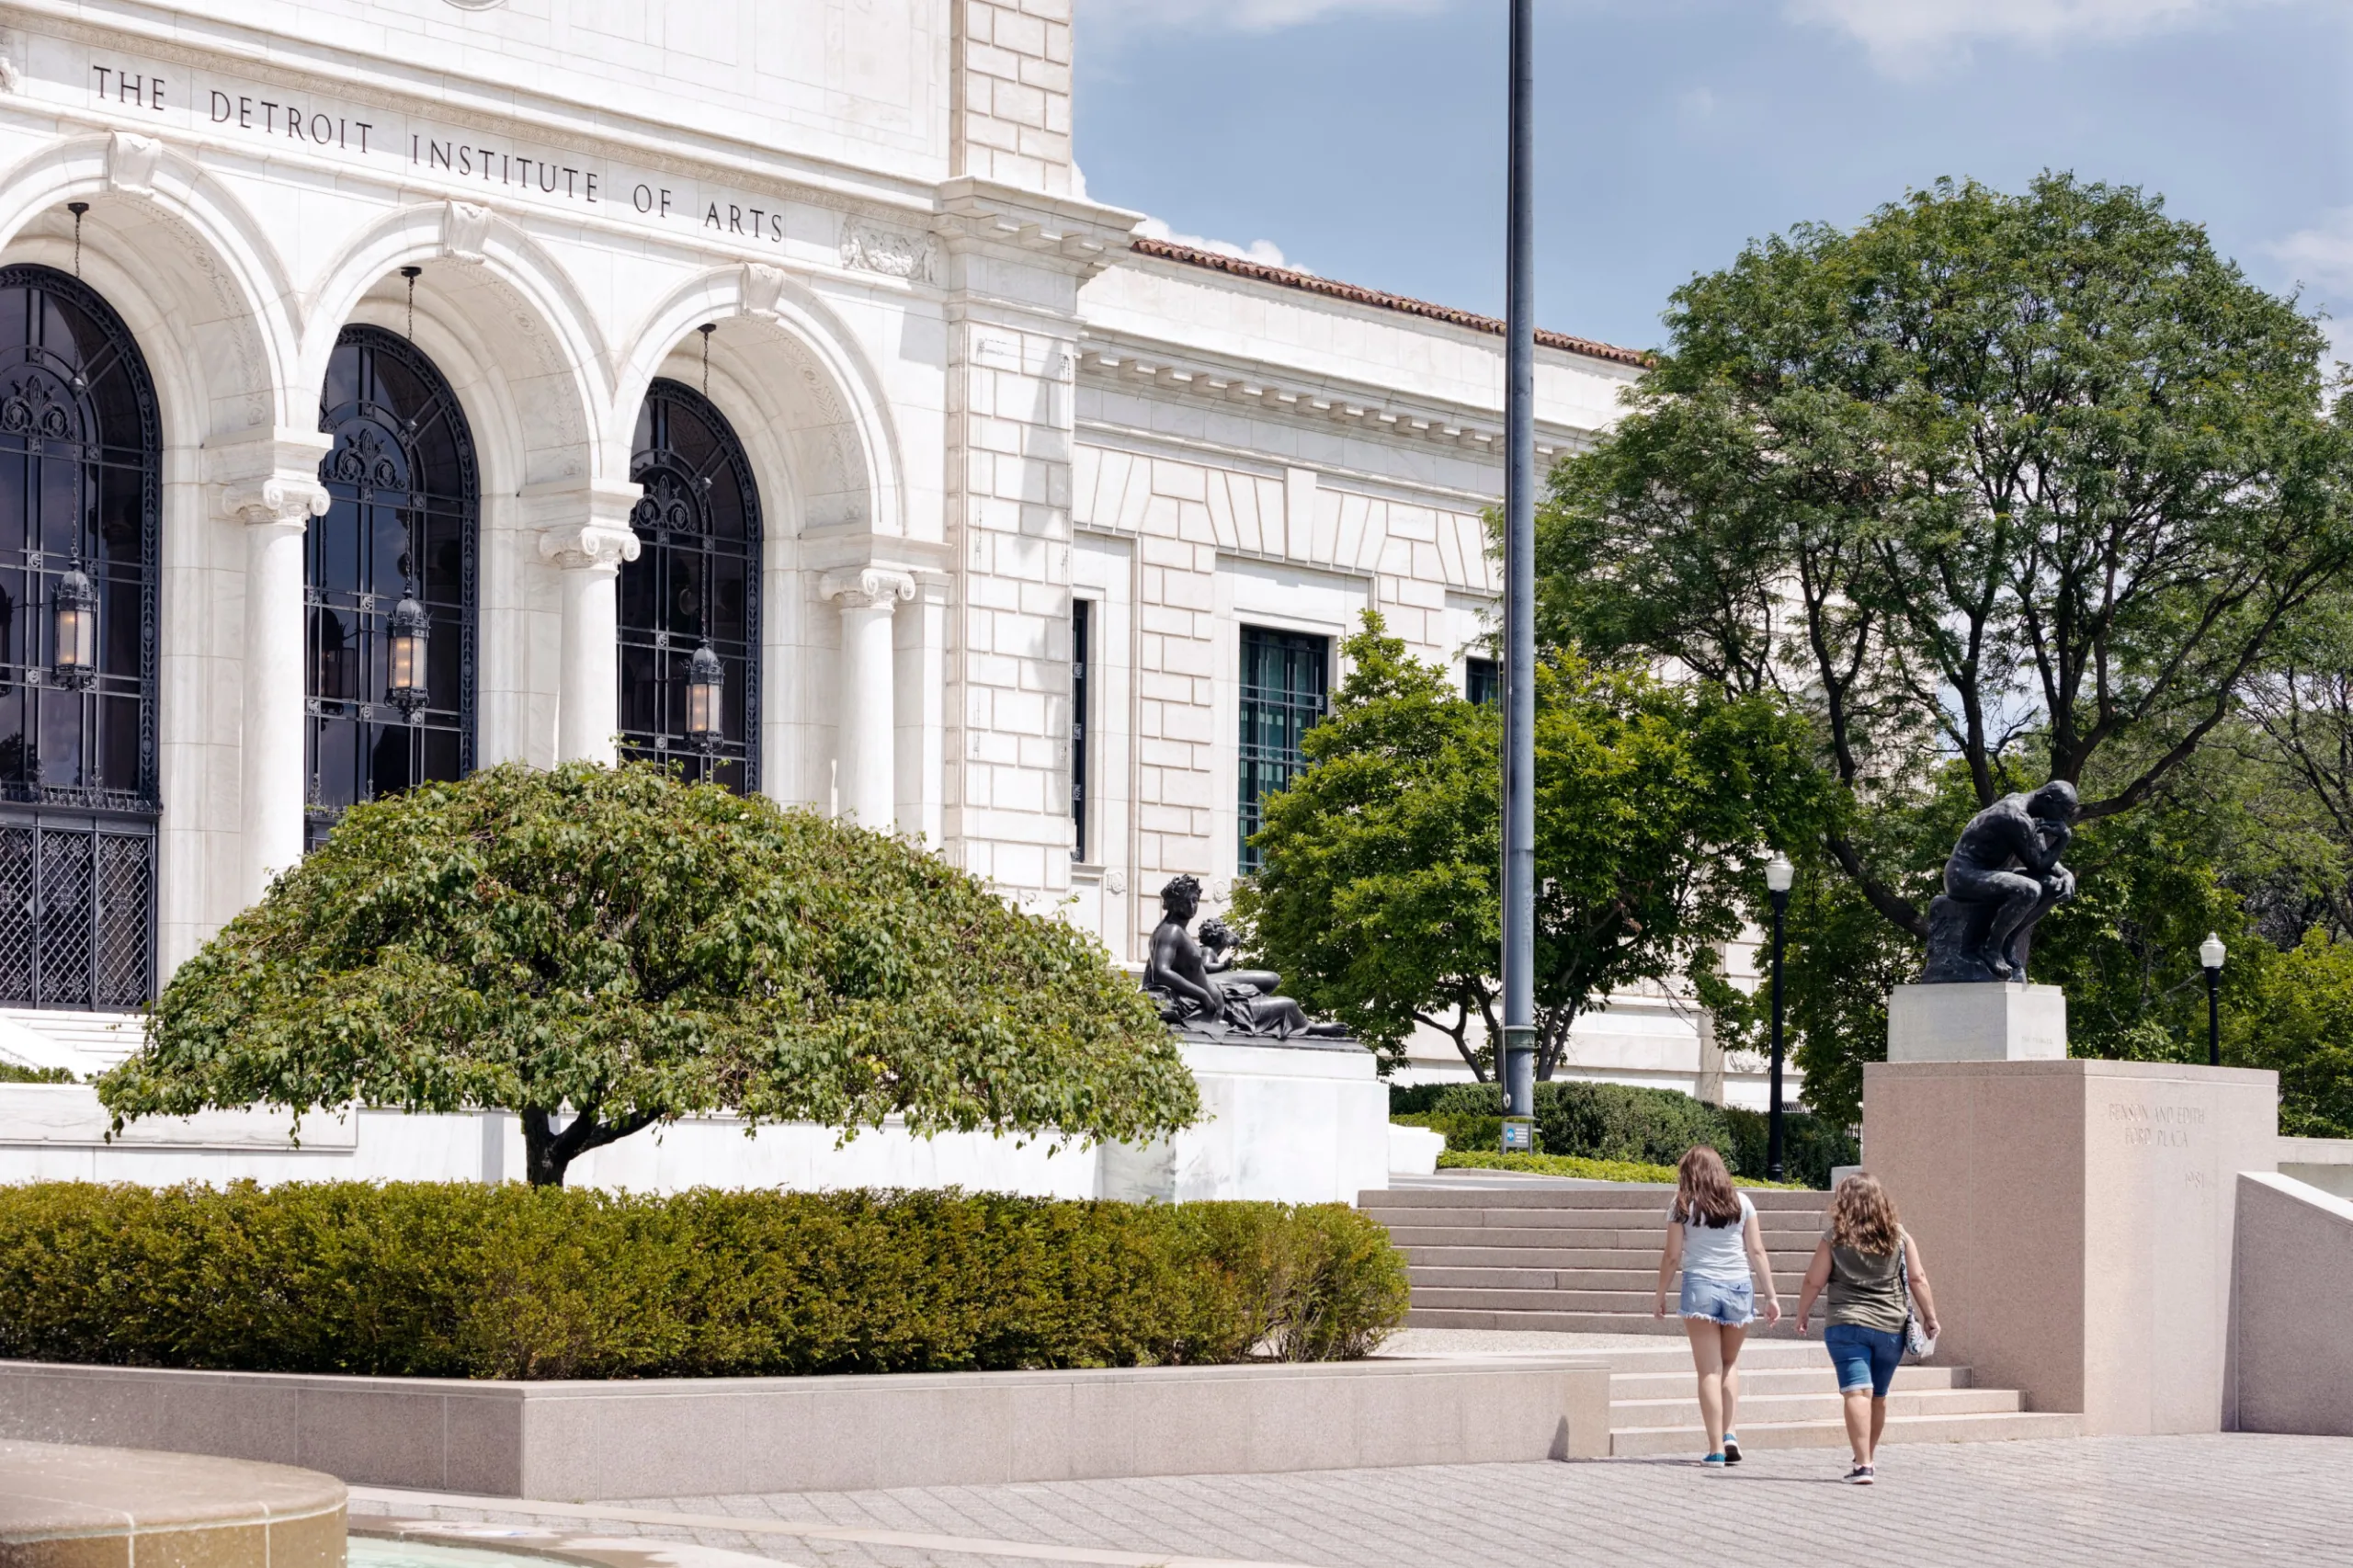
(459, 1281)
(10, 1073)
(1654, 1126)
(1464, 1132)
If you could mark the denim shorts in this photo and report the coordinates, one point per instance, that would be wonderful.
(1865, 1358)
(1734, 1306)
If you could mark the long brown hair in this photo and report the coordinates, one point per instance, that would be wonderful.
(1703, 1191)
(1862, 1217)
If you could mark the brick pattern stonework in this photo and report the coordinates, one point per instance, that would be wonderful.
(1012, 92)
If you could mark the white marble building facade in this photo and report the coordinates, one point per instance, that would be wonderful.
(965, 405)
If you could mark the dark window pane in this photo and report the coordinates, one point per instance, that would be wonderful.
(1283, 685)
(695, 583)
(403, 523)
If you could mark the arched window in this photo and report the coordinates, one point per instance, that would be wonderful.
(390, 590)
(695, 585)
(80, 487)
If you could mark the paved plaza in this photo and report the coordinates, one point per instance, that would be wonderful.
(2242, 1500)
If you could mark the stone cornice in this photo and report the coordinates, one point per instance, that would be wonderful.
(1080, 236)
(1123, 362)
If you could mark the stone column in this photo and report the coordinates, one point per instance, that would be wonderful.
(864, 782)
(589, 681)
(277, 511)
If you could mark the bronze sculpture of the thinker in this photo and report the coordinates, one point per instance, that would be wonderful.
(1202, 989)
(2003, 877)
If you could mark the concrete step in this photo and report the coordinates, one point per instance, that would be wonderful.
(1644, 1259)
(1618, 1195)
(1651, 1220)
(1993, 1428)
(1814, 1377)
(1435, 1278)
(1790, 1409)
(1630, 1300)
(1556, 1320)
(1649, 1238)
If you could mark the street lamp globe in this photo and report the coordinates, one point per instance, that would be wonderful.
(2210, 951)
(1779, 875)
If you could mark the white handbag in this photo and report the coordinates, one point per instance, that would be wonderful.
(1916, 1338)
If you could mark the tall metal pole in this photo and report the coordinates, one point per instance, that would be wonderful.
(2213, 1017)
(1519, 585)
(1773, 1121)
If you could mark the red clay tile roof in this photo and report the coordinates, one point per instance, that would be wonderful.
(1260, 272)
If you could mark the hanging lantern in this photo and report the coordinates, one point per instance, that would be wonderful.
(705, 678)
(77, 627)
(407, 682)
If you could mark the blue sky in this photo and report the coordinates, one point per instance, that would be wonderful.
(1363, 139)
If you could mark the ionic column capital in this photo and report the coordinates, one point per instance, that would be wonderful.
(589, 547)
(862, 588)
(284, 500)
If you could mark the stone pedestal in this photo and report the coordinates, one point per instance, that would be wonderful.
(1987, 1022)
(2076, 1221)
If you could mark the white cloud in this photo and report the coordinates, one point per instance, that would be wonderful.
(1236, 15)
(2322, 255)
(1906, 35)
(1264, 252)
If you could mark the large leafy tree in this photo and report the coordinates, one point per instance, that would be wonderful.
(1378, 898)
(601, 949)
(2035, 483)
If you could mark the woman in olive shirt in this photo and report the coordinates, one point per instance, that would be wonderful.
(1863, 1330)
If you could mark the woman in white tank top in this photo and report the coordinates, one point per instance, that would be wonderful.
(1713, 1236)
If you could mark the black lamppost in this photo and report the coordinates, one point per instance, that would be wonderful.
(2210, 958)
(1778, 876)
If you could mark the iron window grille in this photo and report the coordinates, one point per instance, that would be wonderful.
(695, 584)
(80, 493)
(403, 523)
(1283, 693)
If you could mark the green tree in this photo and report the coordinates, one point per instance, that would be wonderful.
(617, 944)
(1377, 897)
(2033, 483)
(2294, 1013)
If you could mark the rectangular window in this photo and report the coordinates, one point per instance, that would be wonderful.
(1483, 681)
(1283, 683)
(1079, 626)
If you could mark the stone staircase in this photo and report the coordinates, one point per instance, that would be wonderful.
(1585, 1260)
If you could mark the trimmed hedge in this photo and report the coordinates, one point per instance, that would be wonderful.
(428, 1279)
(1613, 1121)
(12, 1072)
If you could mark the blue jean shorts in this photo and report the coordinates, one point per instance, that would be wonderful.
(1865, 1358)
(1734, 1306)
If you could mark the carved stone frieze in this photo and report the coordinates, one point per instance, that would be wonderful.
(868, 248)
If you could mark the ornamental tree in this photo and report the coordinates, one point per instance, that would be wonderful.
(629, 948)
(2036, 483)
(1379, 896)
